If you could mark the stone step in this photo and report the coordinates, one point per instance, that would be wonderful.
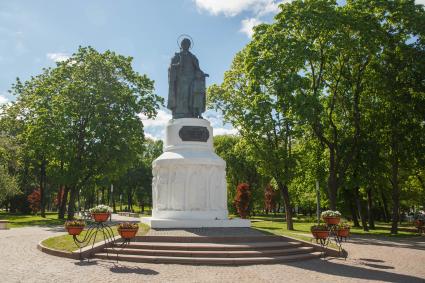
(208, 260)
(212, 246)
(211, 239)
(212, 254)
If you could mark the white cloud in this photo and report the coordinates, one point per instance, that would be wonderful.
(216, 120)
(3, 99)
(420, 2)
(231, 8)
(155, 128)
(248, 25)
(224, 131)
(58, 57)
(256, 9)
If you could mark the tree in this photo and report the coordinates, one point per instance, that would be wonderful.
(8, 185)
(241, 167)
(261, 108)
(398, 89)
(82, 118)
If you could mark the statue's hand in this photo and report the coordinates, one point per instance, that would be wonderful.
(206, 75)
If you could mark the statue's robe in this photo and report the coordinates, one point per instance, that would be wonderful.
(186, 96)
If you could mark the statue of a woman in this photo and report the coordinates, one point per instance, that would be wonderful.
(186, 94)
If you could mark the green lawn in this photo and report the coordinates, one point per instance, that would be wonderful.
(66, 243)
(276, 225)
(20, 220)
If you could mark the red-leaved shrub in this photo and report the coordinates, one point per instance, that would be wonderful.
(35, 200)
(270, 199)
(242, 199)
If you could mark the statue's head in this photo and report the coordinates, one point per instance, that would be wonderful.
(185, 44)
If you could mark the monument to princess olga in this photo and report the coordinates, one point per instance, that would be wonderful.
(189, 179)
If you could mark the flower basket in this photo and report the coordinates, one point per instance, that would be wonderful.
(344, 232)
(74, 227)
(332, 220)
(75, 230)
(128, 233)
(100, 216)
(319, 231)
(320, 234)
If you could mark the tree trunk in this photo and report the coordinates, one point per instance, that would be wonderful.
(395, 194)
(360, 210)
(103, 195)
(287, 204)
(385, 207)
(71, 205)
(353, 211)
(113, 204)
(332, 181)
(130, 201)
(370, 209)
(43, 188)
(64, 200)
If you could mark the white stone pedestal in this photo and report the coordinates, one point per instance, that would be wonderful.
(189, 180)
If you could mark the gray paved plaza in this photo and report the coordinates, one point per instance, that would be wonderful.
(400, 260)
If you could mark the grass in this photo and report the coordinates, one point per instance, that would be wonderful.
(66, 243)
(275, 225)
(21, 220)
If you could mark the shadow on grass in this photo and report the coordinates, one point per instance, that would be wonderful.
(355, 272)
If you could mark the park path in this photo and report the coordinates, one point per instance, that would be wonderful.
(370, 259)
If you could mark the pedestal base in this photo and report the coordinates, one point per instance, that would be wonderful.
(196, 223)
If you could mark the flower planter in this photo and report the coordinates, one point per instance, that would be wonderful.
(320, 234)
(100, 216)
(75, 230)
(128, 233)
(343, 232)
(332, 220)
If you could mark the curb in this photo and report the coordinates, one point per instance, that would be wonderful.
(328, 251)
(84, 253)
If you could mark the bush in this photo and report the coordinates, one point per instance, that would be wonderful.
(34, 200)
(270, 199)
(242, 199)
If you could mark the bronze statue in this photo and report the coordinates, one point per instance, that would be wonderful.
(186, 94)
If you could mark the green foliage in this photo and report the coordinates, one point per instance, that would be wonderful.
(335, 93)
(241, 167)
(79, 122)
(8, 185)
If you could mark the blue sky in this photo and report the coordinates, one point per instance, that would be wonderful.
(36, 33)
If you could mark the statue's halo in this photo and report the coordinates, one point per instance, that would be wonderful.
(183, 36)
